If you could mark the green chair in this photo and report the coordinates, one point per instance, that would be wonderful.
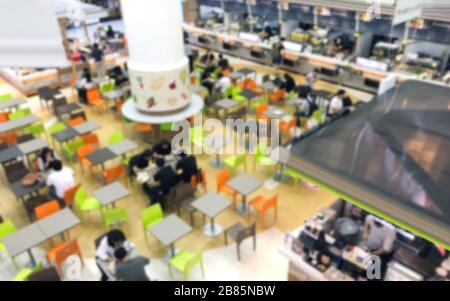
(107, 86)
(19, 114)
(114, 216)
(216, 72)
(71, 148)
(166, 127)
(185, 262)
(84, 203)
(56, 128)
(6, 97)
(116, 138)
(150, 216)
(293, 174)
(292, 95)
(319, 115)
(6, 228)
(25, 273)
(262, 158)
(197, 136)
(234, 162)
(36, 129)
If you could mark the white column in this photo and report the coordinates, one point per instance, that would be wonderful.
(158, 66)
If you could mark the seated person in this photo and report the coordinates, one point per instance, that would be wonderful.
(110, 242)
(337, 103)
(45, 159)
(223, 62)
(223, 83)
(130, 268)
(164, 179)
(379, 236)
(347, 209)
(119, 76)
(162, 149)
(188, 167)
(140, 162)
(207, 58)
(205, 79)
(59, 180)
(289, 83)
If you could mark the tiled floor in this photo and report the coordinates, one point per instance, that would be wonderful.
(296, 203)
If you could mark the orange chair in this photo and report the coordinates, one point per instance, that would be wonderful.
(260, 111)
(144, 128)
(69, 195)
(58, 254)
(9, 138)
(91, 139)
(76, 121)
(82, 153)
(262, 205)
(115, 173)
(95, 99)
(285, 127)
(222, 178)
(200, 180)
(118, 107)
(278, 96)
(4, 117)
(46, 209)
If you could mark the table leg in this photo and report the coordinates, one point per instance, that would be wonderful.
(280, 177)
(217, 162)
(63, 236)
(242, 208)
(212, 229)
(172, 250)
(30, 254)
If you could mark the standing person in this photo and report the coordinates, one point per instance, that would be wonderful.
(45, 159)
(337, 103)
(59, 180)
(289, 83)
(84, 84)
(277, 54)
(311, 78)
(99, 55)
(130, 269)
(105, 249)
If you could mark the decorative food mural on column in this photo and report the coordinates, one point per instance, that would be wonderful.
(161, 91)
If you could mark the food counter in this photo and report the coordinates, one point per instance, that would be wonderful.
(317, 252)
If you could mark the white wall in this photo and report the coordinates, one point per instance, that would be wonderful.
(30, 35)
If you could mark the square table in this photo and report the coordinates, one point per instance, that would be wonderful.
(109, 194)
(58, 223)
(13, 103)
(23, 240)
(99, 157)
(244, 184)
(12, 125)
(123, 147)
(170, 230)
(11, 153)
(246, 71)
(20, 191)
(33, 145)
(235, 76)
(275, 113)
(114, 95)
(65, 135)
(67, 109)
(87, 127)
(211, 204)
(269, 86)
(225, 104)
(217, 143)
(249, 95)
(280, 154)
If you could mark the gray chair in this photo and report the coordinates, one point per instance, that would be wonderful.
(25, 138)
(239, 233)
(50, 274)
(182, 197)
(15, 171)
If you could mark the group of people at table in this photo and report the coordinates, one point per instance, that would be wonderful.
(220, 82)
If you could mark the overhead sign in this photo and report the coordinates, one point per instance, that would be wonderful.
(407, 10)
